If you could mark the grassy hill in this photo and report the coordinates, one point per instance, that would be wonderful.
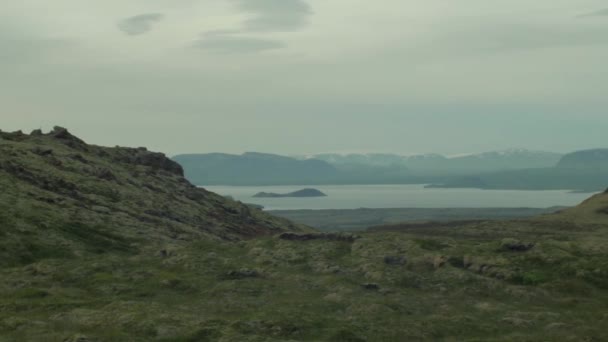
(111, 244)
(89, 199)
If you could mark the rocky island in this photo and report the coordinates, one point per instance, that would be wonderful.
(299, 193)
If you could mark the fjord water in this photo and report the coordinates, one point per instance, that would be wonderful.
(400, 196)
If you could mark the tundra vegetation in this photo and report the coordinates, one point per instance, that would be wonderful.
(113, 244)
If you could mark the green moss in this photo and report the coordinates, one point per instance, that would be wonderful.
(431, 244)
(97, 238)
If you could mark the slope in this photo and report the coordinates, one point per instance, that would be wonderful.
(61, 197)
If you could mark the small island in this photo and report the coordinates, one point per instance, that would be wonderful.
(299, 193)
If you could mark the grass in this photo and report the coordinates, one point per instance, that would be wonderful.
(186, 296)
(86, 262)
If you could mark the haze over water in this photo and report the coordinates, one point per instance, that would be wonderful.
(400, 196)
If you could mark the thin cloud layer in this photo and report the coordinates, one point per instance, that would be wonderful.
(139, 24)
(266, 16)
(275, 15)
(600, 13)
(226, 42)
(267, 73)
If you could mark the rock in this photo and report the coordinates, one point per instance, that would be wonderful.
(243, 273)
(67, 138)
(370, 286)
(157, 161)
(395, 260)
(77, 338)
(318, 236)
(514, 245)
(439, 261)
(36, 133)
(105, 174)
(43, 151)
(467, 261)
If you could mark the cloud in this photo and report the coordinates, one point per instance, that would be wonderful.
(266, 16)
(139, 24)
(227, 42)
(540, 38)
(275, 15)
(599, 13)
(21, 48)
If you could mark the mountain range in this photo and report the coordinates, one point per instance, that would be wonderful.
(582, 170)
(509, 169)
(438, 164)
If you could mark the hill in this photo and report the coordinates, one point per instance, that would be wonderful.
(112, 244)
(375, 168)
(481, 162)
(582, 171)
(92, 199)
(596, 159)
(253, 169)
(513, 159)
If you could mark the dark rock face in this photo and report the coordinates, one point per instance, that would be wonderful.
(155, 160)
(67, 138)
(309, 237)
(299, 193)
(159, 161)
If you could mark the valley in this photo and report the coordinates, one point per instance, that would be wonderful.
(113, 244)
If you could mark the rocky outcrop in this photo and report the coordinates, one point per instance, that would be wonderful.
(318, 236)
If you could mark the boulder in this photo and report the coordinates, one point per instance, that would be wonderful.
(243, 273)
(370, 286)
(393, 260)
(515, 245)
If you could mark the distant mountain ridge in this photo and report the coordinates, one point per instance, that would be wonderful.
(508, 169)
(587, 159)
(585, 170)
(487, 161)
(252, 169)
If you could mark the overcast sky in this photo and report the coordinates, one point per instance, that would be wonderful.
(298, 76)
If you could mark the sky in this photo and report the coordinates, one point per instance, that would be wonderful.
(309, 76)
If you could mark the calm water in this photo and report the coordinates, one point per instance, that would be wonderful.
(400, 196)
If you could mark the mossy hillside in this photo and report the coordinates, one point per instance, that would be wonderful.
(61, 197)
(144, 256)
